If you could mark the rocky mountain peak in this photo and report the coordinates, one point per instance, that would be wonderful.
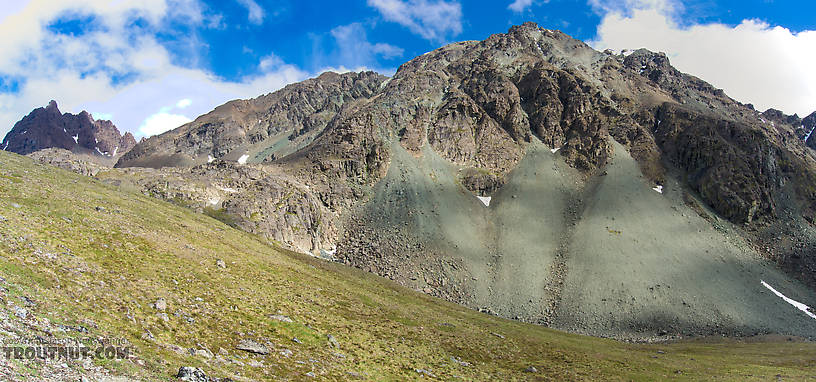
(49, 128)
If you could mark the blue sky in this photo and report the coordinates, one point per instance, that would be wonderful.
(151, 65)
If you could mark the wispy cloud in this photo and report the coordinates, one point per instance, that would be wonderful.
(520, 5)
(256, 13)
(354, 48)
(754, 62)
(434, 20)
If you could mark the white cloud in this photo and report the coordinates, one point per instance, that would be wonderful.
(354, 49)
(434, 20)
(520, 5)
(80, 71)
(184, 103)
(768, 66)
(256, 13)
(161, 122)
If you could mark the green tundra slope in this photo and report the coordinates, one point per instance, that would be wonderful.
(77, 255)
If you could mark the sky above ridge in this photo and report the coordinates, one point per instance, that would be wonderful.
(152, 65)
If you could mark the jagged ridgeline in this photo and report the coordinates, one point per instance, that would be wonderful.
(617, 196)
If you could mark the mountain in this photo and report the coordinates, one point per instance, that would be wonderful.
(261, 129)
(84, 262)
(526, 175)
(47, 127)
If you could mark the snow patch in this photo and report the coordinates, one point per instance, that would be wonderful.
(115, 149)
(328, 254)
(24, 132)
(243, 159)
(4, 148)
(808, 134)
(555, 150)
(215, 201)
(795, 303)
(76, 138)
(99, 151)
(659, 189)
(210, 159)
(485, 200)
(64, 131)
(227, 189)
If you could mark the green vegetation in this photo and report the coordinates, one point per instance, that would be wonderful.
(87, 252)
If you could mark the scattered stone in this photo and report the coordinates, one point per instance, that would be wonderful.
(20, 312)
(286, 353)
(281, 318)
(100, 209)
(531, 369)
(15, 205)
(252, 347)
(426, 372)
(190, 374)
(220, 263)
(310, 374)
(194, 374)
(460, 362)
(2, 219)
(333, 341)
(204, 353)
(296, 340)
(163, 316)
(498, 335)
(160, 304)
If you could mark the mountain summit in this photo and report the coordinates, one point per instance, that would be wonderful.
(526, 175)
(47, 127)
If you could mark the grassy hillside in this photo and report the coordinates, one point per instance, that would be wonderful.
(80, 254)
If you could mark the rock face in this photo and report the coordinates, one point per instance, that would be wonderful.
(47, 128)
(591, 159)
(264, 128)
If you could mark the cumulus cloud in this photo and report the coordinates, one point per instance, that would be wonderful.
(520, 5)
(161, 122)
(256, 13)
(754, 62)
(434, 20)
(181, 104)
(114, 69)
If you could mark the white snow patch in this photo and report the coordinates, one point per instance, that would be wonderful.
(99, 151)
(24, 132)
(243, 159)
(659, 189)
(210, 159)
(808, 134)
(64, 131)
(115, 149)
(328, 253)
(485, 200)
(215, 201)
(555, 150)
(4, 148)
(76, 138)
(795, 303)
(227, 189)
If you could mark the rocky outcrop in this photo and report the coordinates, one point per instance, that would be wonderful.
(68, 160)
(47, 128)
